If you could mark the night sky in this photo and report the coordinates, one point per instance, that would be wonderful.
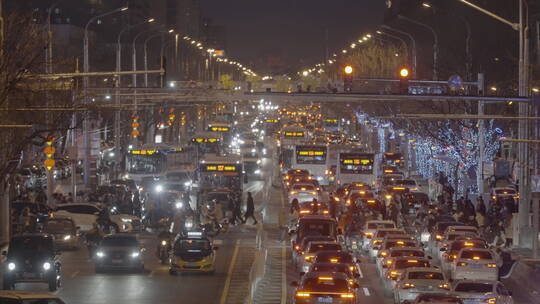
(293, 29)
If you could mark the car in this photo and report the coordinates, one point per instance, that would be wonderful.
(299, 248)
(313, 226)
(475, 264)
(27, 297)
(449, 237)
(410, 184)
(311, 249)
(399, 266)
(378, 238)
(307, 208)
(193, 252)
(437, 233)
(32, 258)
(66, 234)
(370, 227)
(504, 192)
(482, 291)
(324, 287)
(450, 253)
(394, 241)
(396, 252)
(435, 298)
(119, 251)
(419, 280)
(333, 267)
(85, 216)
(332, 256)
(303, 193)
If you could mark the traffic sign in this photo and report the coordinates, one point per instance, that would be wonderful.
(455, 82)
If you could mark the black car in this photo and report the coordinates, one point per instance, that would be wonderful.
(119, 251)
(32, 258)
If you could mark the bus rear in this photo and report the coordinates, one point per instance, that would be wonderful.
(314, 159)
(356, 167)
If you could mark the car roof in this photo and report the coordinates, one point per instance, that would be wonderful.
(406, 249)
(478, 281)
(476, 249)
(418, 269)
(316, 274)
(412, 258)
(23, 295)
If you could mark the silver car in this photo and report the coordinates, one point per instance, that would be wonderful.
(418, 280)
(482, 292)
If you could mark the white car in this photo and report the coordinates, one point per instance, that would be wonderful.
(303, 193)
(448, 238)
(378, 238)
(504, 192)
(482, 292)
(475, 264)
(415, 281)
(398, 252)
(371, 226)
(393, 241)
(85, 215)
(400, 266)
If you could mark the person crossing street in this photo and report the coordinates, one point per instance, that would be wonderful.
(250, 209)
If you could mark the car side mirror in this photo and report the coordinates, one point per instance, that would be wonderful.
(294, 284)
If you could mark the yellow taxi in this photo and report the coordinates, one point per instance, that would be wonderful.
(193, 252)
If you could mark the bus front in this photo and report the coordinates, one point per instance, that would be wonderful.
(144, 163)
(220, 176)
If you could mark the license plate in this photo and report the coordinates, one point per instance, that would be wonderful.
(324, 300)
(476, 266)
(117, 261)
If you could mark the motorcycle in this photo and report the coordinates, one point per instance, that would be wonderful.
(163, 250)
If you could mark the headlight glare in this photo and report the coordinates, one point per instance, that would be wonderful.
(135, 254)
(100, 254)
(67, 237)
(11, 266)
(46, 265)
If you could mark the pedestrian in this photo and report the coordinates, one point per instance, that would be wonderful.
(237, 212)
(250, 209)
(70, 198)
(480, 206)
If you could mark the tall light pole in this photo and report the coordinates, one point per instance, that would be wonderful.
(86, 66)
(413, 44)
(523, 126)
(134, 54)
(435, 43)
(405, 46)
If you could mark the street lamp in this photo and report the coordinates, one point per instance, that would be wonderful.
(413, 43)
(426, 4)
(86, 67)
(435, 42)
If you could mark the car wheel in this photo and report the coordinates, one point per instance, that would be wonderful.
(53, 284)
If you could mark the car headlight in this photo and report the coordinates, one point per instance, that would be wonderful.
(159, 188)
(67, 237)
(126, 220)
(46, 265)
(11, 266)
(188, 224)
(135, 254)
(100, 254)
(259, 161)
(179, 205)
(163, 243)
(257, 171)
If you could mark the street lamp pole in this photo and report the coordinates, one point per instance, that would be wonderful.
(435, 43)
(406, 47)
(413, 44)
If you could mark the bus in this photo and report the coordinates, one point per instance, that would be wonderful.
(314, 159)
(271, 125)
(141, 163)
(356, 167)
(221, 128)
(331, 124)
(207, 143)
(290, 136)
(217, 172)
(393, 159)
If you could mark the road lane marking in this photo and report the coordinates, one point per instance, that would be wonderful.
(360, 271)
(229, 274)
(75, 274)
(366, 291)
(283, 275)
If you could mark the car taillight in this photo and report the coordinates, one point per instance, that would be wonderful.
(392, 275)
(369, 235)
(438, 237)
(309, 258)
(461, 264)
(491, 301)
(444, 286)
(302, 294)
(408, 286)
(491, 265)
(297, 247)
(347, 295)
(383, 253)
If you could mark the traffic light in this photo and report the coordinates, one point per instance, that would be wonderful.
(49, 153)
(348, 78)
(135, 125)
(404, 81)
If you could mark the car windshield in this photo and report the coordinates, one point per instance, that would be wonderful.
(476, 255)
(57, 225)
(474, 287)
(380, 225)
(82, 209)
(303, 188)
(30, 245)
(456, 246)
(383, 233)
(412, 253)
(326, 284)
(505, 191)
(406, 182)
(319, 247)
(191, 245)
(119, 242)
(425, 275)
(401, 264)
(330, 268)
